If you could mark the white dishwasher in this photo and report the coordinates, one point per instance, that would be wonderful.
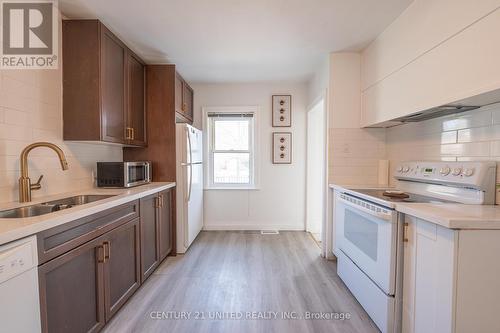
(19, 298)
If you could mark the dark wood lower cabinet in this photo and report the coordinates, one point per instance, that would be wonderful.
(150, 252)
(72, 290)
(83, 287)
(156, 230)
(165, 223)
(121, 265)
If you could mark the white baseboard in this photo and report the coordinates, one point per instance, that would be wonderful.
(229, 227)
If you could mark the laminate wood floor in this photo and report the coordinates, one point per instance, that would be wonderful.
(256, 279)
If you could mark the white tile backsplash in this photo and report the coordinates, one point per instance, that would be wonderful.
(31, 110)
(471, 136)
(354, 155)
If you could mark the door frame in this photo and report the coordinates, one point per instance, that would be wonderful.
(325, 214)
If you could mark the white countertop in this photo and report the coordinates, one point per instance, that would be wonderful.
(448, 215)
(454, 216)
(16, 228)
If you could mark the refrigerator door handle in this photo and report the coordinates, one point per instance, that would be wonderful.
(190, 167)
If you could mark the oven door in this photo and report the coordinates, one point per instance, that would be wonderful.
(367, 234)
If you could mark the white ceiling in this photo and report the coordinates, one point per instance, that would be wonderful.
(241, 40)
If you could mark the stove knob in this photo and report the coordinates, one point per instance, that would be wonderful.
(445, 171)
(400, 168)
(406, 169)
(457, 171)
(468, 172)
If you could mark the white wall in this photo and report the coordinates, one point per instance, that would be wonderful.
(280, 201)
(30, 111)
(317, 87)
(353, 152)
(316, 166)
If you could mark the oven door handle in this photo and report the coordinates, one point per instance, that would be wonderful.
(381, 215)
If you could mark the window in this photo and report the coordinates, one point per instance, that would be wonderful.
(231, 147)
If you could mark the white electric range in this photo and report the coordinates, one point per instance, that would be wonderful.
(369, 229)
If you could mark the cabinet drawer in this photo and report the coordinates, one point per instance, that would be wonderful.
(61, 239)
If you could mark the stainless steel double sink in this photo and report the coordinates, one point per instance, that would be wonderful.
(52, 206)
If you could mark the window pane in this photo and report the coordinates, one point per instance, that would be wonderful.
(231, 134)
(231, 168)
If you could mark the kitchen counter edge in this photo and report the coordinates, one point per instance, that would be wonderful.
(12, 229)
(448, 215)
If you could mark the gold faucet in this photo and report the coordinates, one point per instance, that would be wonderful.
(25, 186)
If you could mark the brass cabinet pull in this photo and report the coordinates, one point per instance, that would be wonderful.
(107, 250)
(157, 202)
(100, 254)
(161, 200)
(128, 133)
(405, 232)
(133, 133)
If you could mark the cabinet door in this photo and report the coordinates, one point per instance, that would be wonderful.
(72, 290)
(428, 278)
(408, 312)
(113, 88)
(121, 265)
(178, 94)
(188, 101)
(150, 251)
(166, 218)
(136, 107)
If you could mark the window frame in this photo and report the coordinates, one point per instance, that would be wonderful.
(209, 148)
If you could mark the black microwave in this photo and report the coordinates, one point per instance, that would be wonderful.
(123, 174)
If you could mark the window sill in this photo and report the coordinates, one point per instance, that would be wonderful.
(246, 188)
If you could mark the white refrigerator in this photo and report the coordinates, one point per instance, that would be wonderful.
(189, 160)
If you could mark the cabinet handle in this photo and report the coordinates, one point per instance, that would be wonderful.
(405, 232)
(161, 200)
(184, 106)
(107, 250)
(100, 254)
(133, 133)
(128, 135)
(157, 202)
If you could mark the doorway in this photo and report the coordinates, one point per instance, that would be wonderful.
(316, 170)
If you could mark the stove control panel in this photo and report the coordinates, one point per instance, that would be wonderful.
(472, 174)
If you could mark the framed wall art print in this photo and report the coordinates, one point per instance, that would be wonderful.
(282, 148)
(282, 110)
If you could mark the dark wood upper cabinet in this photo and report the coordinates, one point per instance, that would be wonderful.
(178, 93)
(121, 265)
(188, 101)
(150, 252)
(113, 111)
(136, 103)
(183, 100)
(72, 290)
(103, 86)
